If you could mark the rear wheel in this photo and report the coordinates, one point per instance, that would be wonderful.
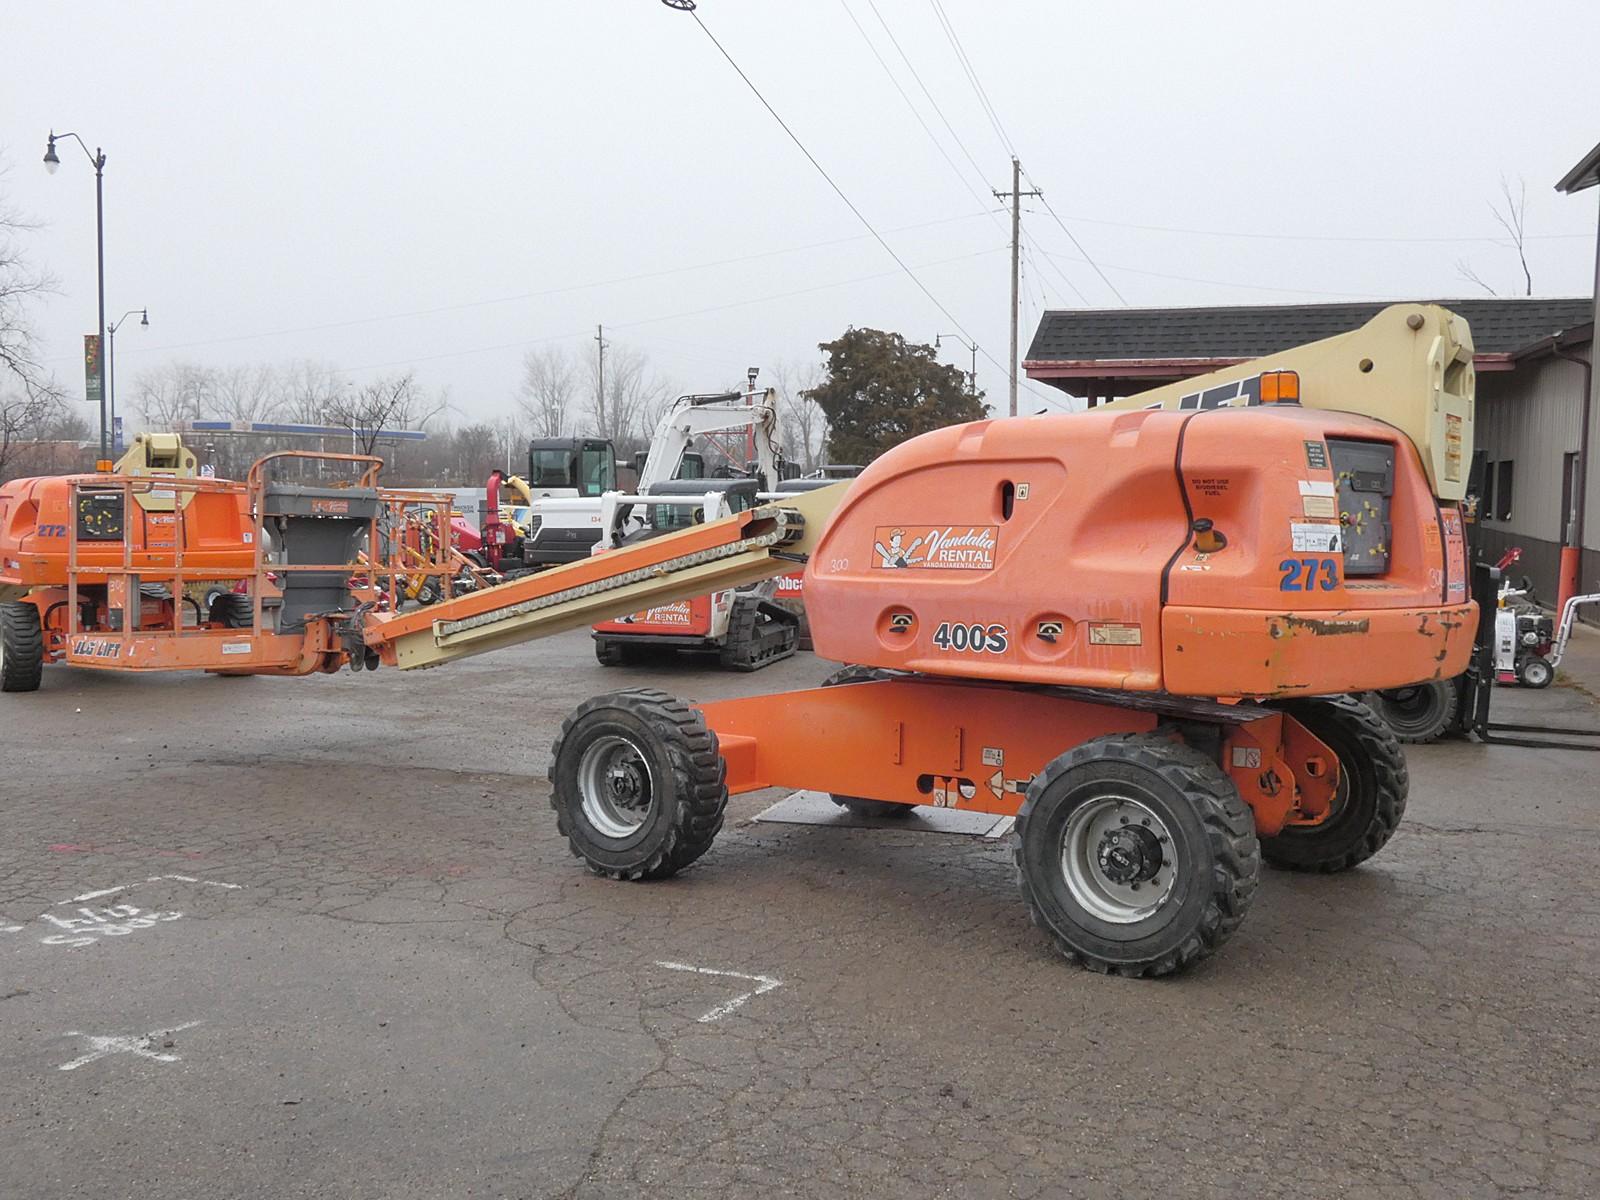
(231, 610)
(1535, 672)
(1421, 713)
(637, 784)
(1371, 798)
(21, 647)
(860, 805)
(1136, 854)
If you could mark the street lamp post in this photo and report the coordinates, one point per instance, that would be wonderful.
(969, 347)
(98, 159)
(111, 364)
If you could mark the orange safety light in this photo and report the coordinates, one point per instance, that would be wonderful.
(1280, 387)
(104, 466)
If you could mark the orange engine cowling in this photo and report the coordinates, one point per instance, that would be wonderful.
(1224, 552)
(35, 520)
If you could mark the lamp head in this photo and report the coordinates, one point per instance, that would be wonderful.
(144, 317)
(51, 162)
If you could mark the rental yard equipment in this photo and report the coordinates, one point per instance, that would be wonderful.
(1118, 626)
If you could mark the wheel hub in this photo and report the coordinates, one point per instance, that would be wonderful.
(616, 787)
(1117, 858)
(629, 787)
(1129, 854)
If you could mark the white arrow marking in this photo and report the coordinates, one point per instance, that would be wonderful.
(100, 1047)
(764, 984)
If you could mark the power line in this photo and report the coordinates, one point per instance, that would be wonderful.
(860, 216)
(1087, 257)
(672, 316)
(558, 291)
(1327, 237)
(965, 182)
(972, 77)
(1249, 287)
(915, 74)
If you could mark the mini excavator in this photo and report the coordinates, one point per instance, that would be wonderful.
(1134, 628)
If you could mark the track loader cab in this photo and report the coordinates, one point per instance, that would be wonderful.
(571, 467)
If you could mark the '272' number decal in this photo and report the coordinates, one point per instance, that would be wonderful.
(1308, 574)
(972, 639)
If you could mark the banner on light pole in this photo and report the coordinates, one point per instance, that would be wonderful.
(91, 368)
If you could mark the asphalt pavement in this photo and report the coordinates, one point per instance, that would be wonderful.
(318, 938)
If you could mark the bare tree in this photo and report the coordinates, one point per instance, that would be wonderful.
(392, 402)
(168, 395)
(29, 398)
(514, 437)
(248, 393)
(801, 422)
(633, 394)
(549, 382)
(306, 391)
(1512, 219)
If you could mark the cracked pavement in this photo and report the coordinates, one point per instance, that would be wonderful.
(413, 990)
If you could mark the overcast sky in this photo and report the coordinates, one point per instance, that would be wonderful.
(442, 186)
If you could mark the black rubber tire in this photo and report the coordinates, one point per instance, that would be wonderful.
(1213, 842)
(1419, 714)
(860, 805)
(1373, 787)
(687, 774)
(1535, 672)
(21, 647)
(608, 652)
(231, 610)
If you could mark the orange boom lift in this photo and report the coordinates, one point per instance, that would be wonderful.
(1131, 628)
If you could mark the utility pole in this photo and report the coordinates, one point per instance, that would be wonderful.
(600, 375)
(1015, 195)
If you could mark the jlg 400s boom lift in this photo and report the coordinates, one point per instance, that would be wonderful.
(1132, 627)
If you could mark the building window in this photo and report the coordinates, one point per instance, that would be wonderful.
(1486, 501)
(1502, 490)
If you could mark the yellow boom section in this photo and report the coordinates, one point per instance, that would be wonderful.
(1410, 366)
(747, 547)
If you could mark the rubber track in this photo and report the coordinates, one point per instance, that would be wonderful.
(1230, 830)
(698, 770)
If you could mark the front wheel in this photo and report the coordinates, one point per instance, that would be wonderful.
(638, 784)
(1535, 672)
(1371, 797)
(1136, 854)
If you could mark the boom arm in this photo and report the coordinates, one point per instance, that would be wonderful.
(761, 543)
(1410, 366)
(687, 420)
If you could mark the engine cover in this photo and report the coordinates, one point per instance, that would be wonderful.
(1223, 552)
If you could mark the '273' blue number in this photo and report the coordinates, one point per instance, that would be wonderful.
(1308, 574)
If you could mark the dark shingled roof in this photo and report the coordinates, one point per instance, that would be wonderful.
(1499, 326)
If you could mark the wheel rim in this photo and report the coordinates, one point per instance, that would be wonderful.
(1117, 859)
(617, 786)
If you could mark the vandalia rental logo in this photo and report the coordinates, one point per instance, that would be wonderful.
(935, 547)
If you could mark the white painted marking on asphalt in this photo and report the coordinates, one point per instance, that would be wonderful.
(98, 1046)
(11, 928)
(110, 891)
(764, 984)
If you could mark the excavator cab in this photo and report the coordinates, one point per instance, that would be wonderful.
(572, 466)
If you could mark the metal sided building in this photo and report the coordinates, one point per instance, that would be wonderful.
(1533, 388)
